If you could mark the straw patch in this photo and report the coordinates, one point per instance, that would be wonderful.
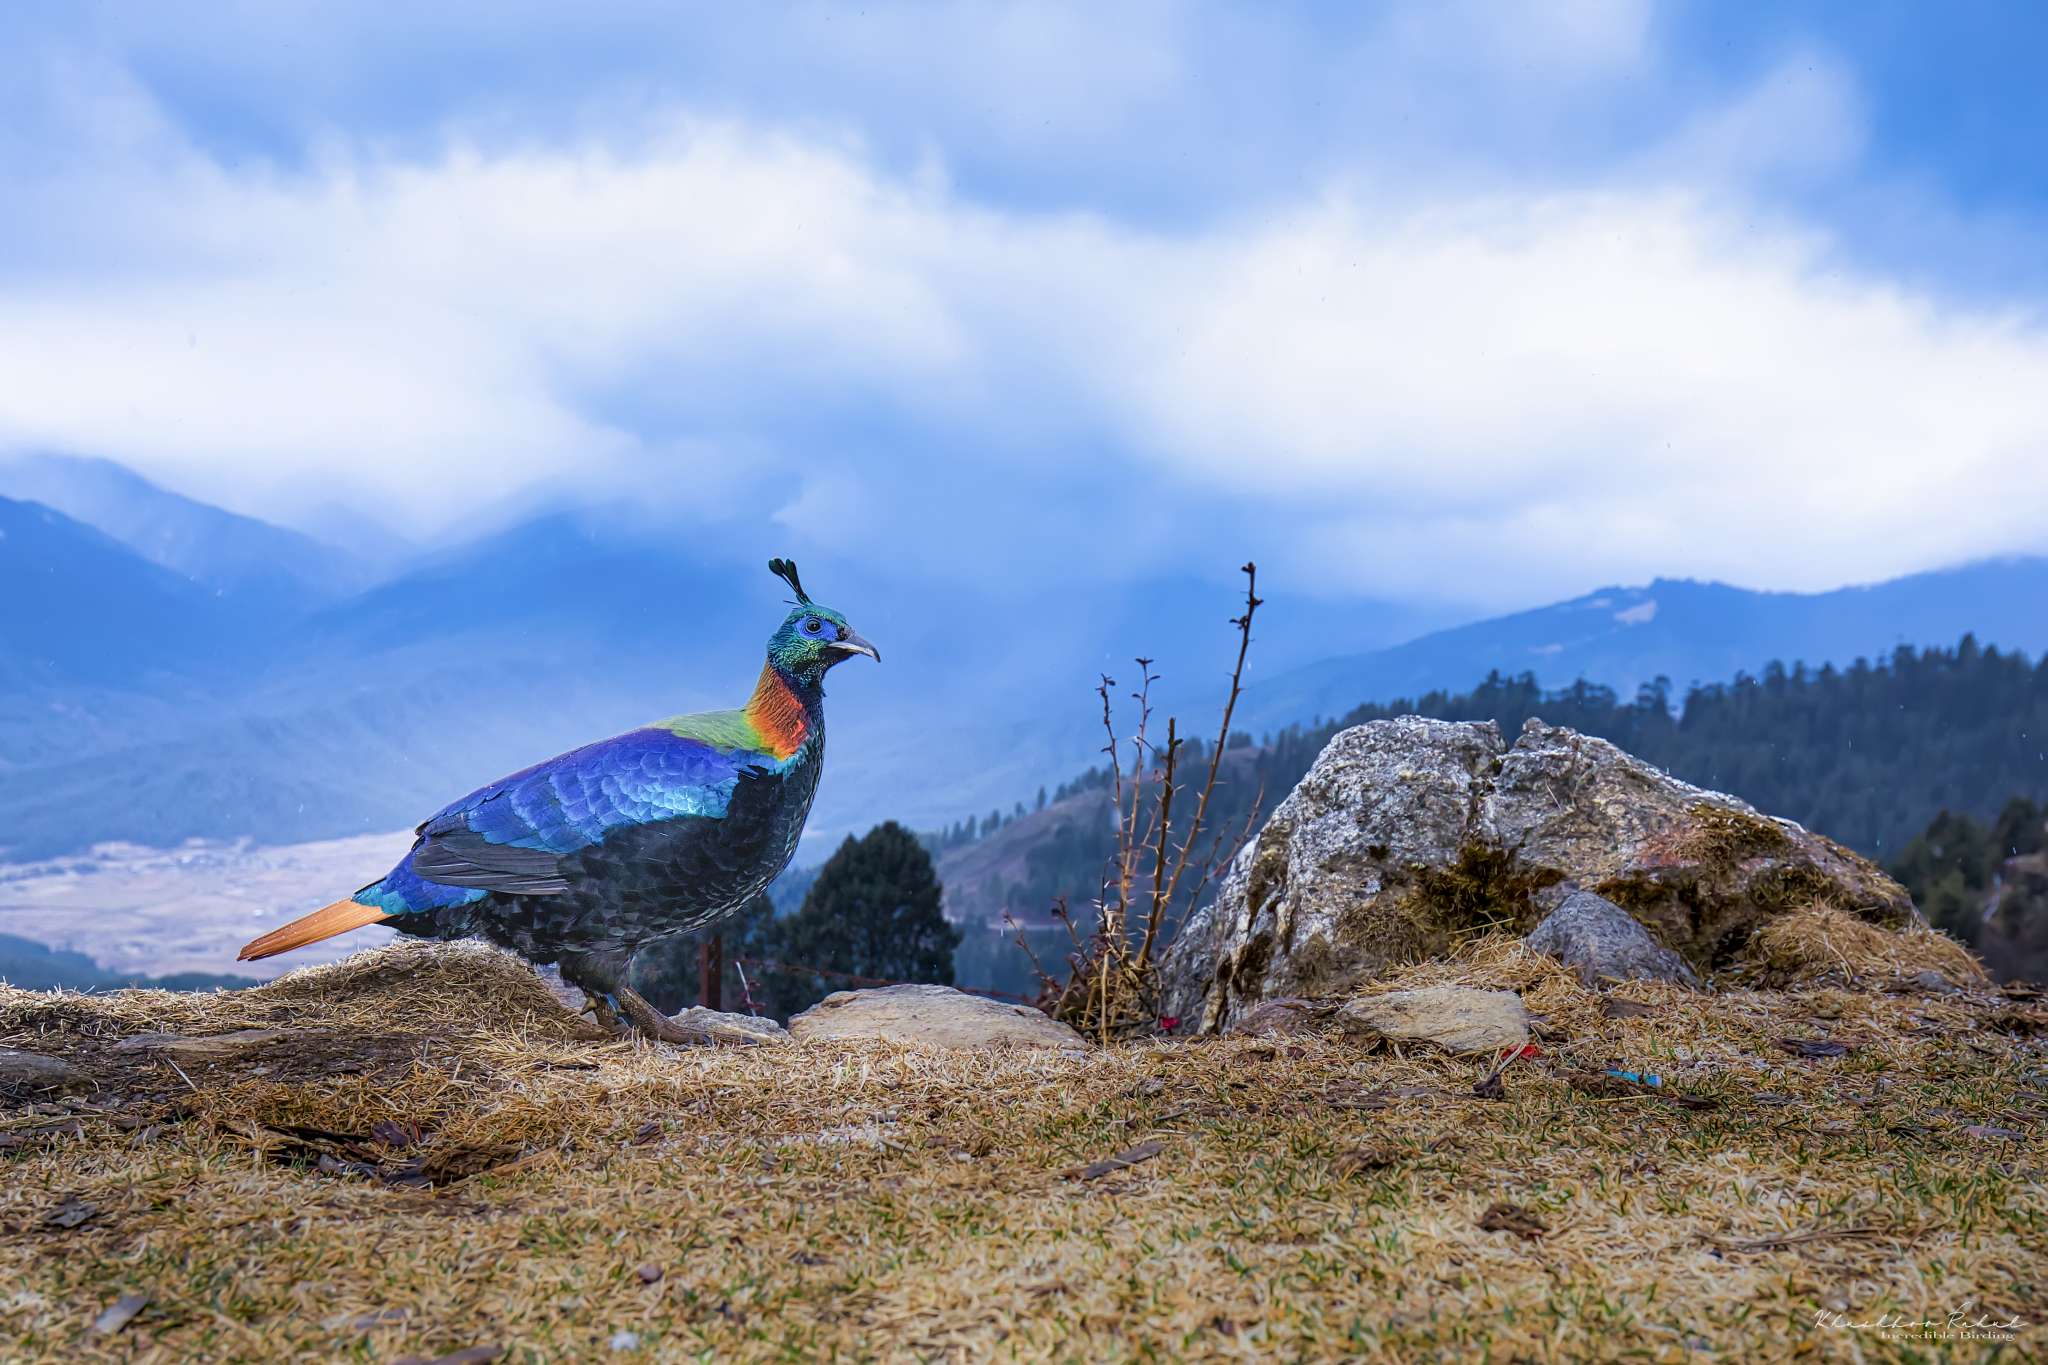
(406, 1173)
(1824, 945)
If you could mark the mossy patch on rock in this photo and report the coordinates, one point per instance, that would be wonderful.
(1318, 964)
(1724, 836)
(1707, 909)
(1487, 888)
(1680, 908)
(1784, 887)
(1267, 877)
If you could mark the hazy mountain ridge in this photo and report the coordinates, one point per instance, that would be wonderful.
(1680, 629)
(81, 607)
(363, 714)
(236, 555)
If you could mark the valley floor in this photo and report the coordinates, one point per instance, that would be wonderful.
(432, 1157)
(156, 911)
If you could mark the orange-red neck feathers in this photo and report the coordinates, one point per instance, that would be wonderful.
(777, 714)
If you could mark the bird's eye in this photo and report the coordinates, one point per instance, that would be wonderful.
(813, 626)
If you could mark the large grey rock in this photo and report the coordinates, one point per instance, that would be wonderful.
(1308, 906)
(1410, 834)
(1455, 1018)
(33, 1070)
(935, 1015)
(1603, 942)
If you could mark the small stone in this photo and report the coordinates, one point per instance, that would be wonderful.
(869, 1134)
(1501, 1216)
(70, 1212)
(625, 1341)
(649, 1274)
(119, 1314)
(937, 1016)
(723, 1027)
(33, 1071)
(1455, 1018)
(1603, 942)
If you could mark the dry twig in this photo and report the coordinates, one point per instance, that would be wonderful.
(1112, 988)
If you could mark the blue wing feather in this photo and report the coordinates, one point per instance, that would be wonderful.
(507, 836)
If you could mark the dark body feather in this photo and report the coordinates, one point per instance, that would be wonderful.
(642, 882)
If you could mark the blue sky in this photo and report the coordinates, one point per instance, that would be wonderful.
(1470, 303)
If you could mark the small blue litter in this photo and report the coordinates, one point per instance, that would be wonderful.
(1636, 1077)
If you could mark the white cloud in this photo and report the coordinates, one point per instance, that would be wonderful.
(423, 327)
(1801, 120)
(1561, 41)
(1486, 395)
(1643, 379)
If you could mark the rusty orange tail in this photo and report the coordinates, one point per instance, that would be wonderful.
(326, 922)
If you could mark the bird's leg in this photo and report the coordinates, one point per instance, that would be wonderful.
(602, 981)
(604, 1009)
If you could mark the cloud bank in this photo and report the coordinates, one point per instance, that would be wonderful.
(1491, 390)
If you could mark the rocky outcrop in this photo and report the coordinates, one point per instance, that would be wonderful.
(1411, 834)
(937, 1016)
(1602, 942)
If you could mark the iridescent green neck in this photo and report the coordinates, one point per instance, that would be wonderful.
(776, 719)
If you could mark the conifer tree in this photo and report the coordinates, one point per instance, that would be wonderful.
(875, 912)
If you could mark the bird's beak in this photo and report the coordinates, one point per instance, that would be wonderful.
(851, 644)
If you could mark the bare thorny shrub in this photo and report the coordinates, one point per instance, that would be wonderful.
(1112, 986)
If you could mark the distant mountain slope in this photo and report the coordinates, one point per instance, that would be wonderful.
(370, 711)
(80, 607)
(561, 583)
(234, 554)
(1679, 629)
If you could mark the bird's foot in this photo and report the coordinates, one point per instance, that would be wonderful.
(652, 1023)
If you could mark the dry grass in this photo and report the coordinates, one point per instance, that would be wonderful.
(1822, 945)
(1311, 1199)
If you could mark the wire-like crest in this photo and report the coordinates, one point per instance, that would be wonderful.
(785, 569)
